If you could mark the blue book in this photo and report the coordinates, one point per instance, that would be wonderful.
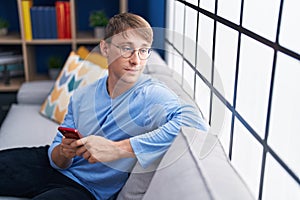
(46, 22)
(40, 22)
(34, 22)
(52, 23)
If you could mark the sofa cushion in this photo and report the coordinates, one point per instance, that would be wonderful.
(182, 175)
(76, 73)
(138, 182)
(25, 127)
(34, 92)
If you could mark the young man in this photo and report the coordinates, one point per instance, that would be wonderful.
(124, 117)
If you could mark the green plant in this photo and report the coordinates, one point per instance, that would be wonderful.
(55, 62)
(3, 23)
(98, 18)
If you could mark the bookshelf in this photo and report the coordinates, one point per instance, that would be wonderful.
(32, 49)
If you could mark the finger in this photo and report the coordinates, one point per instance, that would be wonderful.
(67, 146)
(78, 143)
(86, 155)
(67, 140)
(69, 153)
(93, 160)
(81, 150)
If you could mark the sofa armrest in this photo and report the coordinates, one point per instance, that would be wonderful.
(34, 92)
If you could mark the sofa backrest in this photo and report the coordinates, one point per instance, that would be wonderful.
(182, 175)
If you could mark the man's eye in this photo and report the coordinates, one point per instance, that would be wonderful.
(143, 51)
(125, 49)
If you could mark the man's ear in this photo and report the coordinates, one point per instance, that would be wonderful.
(104, 48)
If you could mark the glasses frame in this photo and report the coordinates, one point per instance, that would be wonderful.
(133, 51)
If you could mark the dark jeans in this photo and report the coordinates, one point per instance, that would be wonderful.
(26, 172)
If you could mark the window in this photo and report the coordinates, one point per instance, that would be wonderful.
(243, 58)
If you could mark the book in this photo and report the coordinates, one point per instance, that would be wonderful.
(26, 5)
(63, 19)
(60, 19)
(40, 22)
(52, 23)
(68, 20)
(46, 22)
(34, 22)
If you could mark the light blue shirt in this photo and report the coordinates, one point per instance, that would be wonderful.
(149, 114)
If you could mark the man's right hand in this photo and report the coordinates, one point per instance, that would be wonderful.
(66, 149)
(63, 153)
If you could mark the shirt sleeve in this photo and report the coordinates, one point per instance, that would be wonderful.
(68, 122)
(174, 114)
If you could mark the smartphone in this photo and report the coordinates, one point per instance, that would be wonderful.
(71, 133)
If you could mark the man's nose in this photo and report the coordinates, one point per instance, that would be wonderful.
(135, 58)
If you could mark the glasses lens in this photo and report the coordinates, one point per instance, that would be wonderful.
(127, 52)
(144, 53)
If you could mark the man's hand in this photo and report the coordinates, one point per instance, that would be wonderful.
(99, 149)
(66, 149)
(63, 153)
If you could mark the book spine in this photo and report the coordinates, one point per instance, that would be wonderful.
(46, 21)
(34, 22)
(40, 22)
(26, 5)
(68, 20)
(53, 25)
(60, 19)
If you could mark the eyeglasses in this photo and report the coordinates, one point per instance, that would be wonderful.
(127, 52)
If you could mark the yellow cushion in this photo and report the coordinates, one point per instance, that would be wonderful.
(76, 73)
(93, 57)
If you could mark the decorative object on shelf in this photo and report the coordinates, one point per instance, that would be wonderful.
(54, 66)
(10, 65)
(3, 26)
(98, 20)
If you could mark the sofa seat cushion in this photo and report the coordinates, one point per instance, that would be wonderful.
(182, 175)
(25, 127)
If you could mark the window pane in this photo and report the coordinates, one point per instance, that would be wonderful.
(221, 121)
(254, 83)
(284, 135)
(188, 75)
(261, 17)
(204, 52)
(195, 2)
(169, 55)
(247, 156)
(225, 60)
(178, 34)
(170, 19)
(230, 9)
(177, 67)
(278, 184)
(190, 35)
(208, 5)
(202, 97)
(289, 29)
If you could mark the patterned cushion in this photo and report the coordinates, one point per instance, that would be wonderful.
(76, 73)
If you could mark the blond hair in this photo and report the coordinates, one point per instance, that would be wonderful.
(122, 22)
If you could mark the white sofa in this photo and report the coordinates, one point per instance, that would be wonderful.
(179, 175)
